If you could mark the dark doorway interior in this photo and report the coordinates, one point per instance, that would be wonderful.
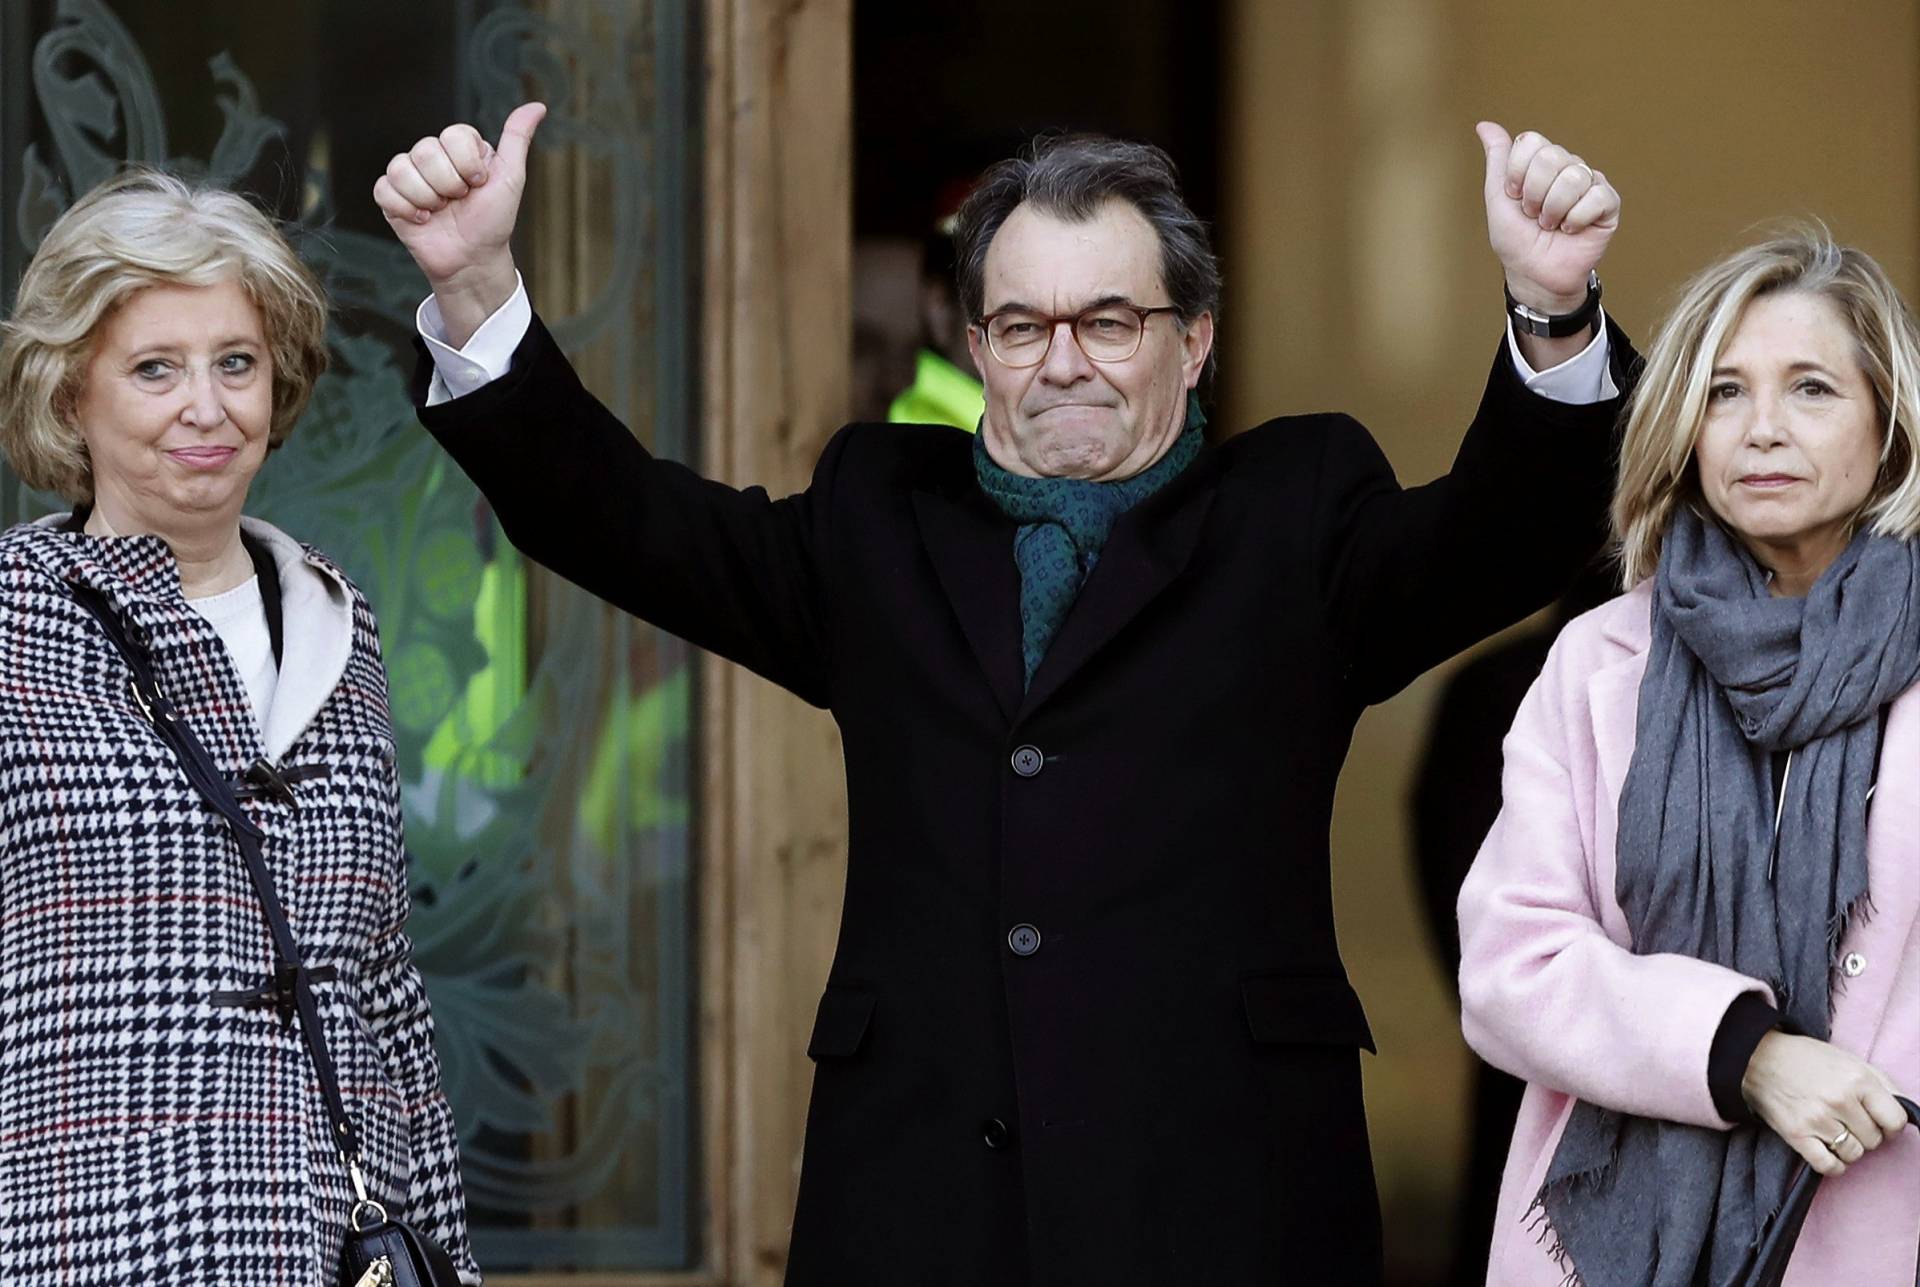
(942, 91)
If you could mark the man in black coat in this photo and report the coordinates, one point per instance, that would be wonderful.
(1086, 1023)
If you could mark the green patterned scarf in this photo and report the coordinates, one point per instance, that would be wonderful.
(1064, 524)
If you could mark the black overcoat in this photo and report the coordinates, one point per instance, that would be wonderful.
(1086, 1023)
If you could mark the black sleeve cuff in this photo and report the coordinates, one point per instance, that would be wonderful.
(1747, 1020)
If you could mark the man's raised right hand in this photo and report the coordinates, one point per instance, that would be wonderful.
(452, 201)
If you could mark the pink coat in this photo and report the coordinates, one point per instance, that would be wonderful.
(1550, 992)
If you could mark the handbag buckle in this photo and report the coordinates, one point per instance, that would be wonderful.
(363, 1202)
(379, 1274)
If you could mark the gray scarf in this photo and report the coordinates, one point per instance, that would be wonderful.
(1732, 676)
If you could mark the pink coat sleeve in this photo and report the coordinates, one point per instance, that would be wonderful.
(1549, 987)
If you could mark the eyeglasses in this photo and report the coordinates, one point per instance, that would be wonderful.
(1019, 337)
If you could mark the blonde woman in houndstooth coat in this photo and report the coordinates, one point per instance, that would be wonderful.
(160, 1122)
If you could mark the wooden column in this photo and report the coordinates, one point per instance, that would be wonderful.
(776, 344)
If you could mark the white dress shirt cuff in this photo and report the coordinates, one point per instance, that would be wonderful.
(1585, 377)
(486, 356)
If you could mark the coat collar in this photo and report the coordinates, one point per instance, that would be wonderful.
(1625, 623)
(139, 576)
(971, 544)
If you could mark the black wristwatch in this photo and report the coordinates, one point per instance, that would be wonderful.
(1554, 327)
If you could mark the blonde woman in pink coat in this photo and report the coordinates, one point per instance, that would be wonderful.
(1695, 927)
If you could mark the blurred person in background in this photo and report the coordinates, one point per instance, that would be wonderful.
(946, 389)
(1695, 927)
(1456, 797)
(1086, 1021)
(163, 1122)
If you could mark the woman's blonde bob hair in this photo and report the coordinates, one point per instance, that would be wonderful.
(138, 229)
(1670, 401)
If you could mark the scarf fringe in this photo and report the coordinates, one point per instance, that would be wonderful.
(1858, 912)
(1539, 1222)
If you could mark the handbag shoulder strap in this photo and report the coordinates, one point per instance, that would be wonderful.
(292, 980)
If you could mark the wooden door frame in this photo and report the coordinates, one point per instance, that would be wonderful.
(777, 348)
(775, 352)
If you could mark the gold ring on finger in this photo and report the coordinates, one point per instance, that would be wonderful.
(1840, 1139)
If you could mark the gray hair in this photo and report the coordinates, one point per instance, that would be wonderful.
(1071, 176)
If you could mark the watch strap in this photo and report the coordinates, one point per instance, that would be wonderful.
(1554, 326)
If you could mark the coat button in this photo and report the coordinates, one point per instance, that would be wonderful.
(1027, 761)
(1853, 965)
(1024, 939)
(995, 1133)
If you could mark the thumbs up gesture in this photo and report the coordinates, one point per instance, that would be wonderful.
(452, 200)
(1550, 216)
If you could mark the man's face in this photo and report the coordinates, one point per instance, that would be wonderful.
(1070, 416)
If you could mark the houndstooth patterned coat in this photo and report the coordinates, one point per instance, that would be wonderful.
(158, 1122)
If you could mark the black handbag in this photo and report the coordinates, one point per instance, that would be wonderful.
(1770, 1262)
(379, 1251)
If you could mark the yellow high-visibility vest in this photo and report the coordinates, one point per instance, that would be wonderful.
(941, 394)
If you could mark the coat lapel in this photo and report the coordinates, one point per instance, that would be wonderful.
(1613, 693)
(972, 552)
(1149, 547)
(318, 610)
(1613, 697)
(971, 546)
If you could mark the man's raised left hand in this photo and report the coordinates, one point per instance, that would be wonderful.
(1550, 216)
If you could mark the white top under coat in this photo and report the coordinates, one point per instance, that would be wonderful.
(240, 615)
